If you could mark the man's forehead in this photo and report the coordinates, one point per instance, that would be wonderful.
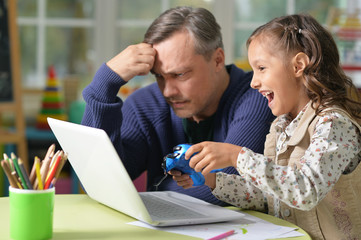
(178, 44)
(169, 61)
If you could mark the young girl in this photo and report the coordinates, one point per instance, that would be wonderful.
(309, 174)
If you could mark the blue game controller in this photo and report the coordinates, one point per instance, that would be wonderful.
(177, 161)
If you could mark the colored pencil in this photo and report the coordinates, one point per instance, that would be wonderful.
(32, 176)
(9, 161)
(223, 235)
(7, 170)
(53, 160)
(50, 152)
(52, 171)
(61, 165)
(18, 171)
(37, 170)
(15, 176)
(45, 168)
(25, 174)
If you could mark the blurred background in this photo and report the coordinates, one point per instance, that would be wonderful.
(75, 37)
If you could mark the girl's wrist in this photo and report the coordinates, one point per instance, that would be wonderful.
(210, 180)
(235, 158)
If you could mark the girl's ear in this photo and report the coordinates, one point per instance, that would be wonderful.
(300, 62)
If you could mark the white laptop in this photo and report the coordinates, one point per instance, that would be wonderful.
(104, 178)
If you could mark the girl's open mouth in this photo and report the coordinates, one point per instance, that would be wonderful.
(269, 96)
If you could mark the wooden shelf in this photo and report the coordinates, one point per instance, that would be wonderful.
(14, 136)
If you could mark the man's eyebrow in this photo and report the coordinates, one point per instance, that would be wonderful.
(180, 70)
(176, 71)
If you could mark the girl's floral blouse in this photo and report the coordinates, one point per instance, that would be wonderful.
(334, 150)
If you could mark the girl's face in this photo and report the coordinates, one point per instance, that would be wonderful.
(276, 80)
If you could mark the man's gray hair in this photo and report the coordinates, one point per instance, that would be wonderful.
(199, 22)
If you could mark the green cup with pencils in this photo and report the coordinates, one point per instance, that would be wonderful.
(31, 195)
(31, 213)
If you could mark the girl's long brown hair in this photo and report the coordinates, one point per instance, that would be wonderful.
(325, 81)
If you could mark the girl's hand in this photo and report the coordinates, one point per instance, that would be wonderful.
(212, 155)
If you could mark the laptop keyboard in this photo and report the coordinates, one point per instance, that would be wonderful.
(165, 210)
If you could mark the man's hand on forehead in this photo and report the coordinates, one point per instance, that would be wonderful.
(134, 60)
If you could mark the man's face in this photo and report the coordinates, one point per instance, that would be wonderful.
(187, 80)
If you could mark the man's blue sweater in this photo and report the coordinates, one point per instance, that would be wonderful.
(144, 128)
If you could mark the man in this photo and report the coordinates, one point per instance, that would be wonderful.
(196, 97)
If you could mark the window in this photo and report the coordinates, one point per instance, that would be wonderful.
(58, 33)
(249, 14)
(76, 36)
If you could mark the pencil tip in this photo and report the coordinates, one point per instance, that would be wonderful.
(65, 156)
